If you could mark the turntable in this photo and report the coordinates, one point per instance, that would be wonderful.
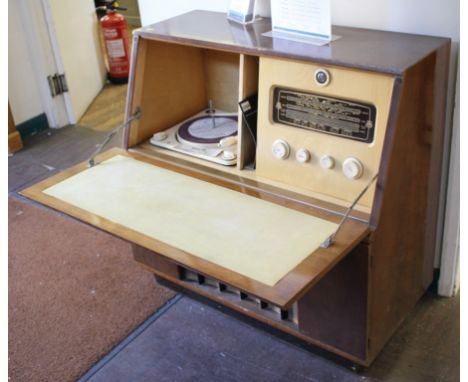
(210, 135)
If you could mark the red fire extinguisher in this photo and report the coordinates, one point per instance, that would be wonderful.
(114, 31)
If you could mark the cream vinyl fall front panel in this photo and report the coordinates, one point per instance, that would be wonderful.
(244, 234)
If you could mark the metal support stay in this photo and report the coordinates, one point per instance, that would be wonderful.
(136, 115)
(331, 239)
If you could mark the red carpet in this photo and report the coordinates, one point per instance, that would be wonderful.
(74, 293)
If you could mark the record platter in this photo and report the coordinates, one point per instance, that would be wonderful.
(210, 135)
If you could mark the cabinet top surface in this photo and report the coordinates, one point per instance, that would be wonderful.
(380, 51)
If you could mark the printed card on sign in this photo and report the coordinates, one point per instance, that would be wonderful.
(302, 20)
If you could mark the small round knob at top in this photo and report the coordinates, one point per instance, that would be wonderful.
(280, 149)
(352, 168)
(322, 77)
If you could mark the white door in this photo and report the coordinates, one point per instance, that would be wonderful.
(77, 36)
(63, 38)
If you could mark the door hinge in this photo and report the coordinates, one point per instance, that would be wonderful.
(57, 84)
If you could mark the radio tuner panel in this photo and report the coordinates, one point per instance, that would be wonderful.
(325, 139)
(328, 115)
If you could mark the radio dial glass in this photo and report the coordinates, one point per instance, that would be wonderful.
(334, 116)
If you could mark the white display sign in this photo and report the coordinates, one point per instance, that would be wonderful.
(302, 18)
(242, 11)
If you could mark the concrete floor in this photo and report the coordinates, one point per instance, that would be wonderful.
(188, 340)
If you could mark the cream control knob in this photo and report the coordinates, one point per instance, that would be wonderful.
(303, 155)
(280, 149)
(352, 168)
(327, 162)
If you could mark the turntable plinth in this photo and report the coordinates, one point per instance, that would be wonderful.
(248, 234)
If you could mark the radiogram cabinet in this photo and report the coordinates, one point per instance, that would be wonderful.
(362, 115)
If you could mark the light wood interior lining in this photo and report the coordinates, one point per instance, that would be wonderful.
(169, 87)
(345, 83)
(174, 82)
(221, 73)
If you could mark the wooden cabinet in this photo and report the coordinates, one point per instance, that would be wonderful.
(248, 235)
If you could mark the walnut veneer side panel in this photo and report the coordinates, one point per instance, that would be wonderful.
(399, 245)
(335, 310)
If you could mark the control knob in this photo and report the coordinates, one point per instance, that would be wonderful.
(280, 149)
(327, 162)
(352, 168)
(302, 155)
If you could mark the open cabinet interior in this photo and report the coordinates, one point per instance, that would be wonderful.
(175, 82)
(175, 85)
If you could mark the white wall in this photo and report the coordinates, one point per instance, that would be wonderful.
(432, 17)
(23, 90)
(152, 11)
(428, 17)
(449, 273)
